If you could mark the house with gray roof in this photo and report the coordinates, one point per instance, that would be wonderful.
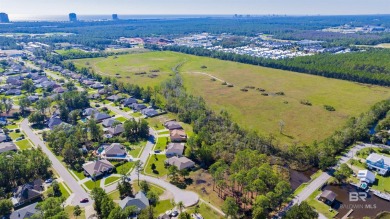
(140, 201)
(109, 122)
(129, 101)
(100, 116)
(25, 212)
(115, 150)
(98, 168)
(174, 149)
(54, 121)
(138, 107)
(180, 162)
(116, 130)
(114, 98)
(89, 111)
(149, 112)
(27, 193)
(171, 125)
(97, 86)
(7, 146)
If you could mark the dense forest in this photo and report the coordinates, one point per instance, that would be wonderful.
(369, 66)
(96, 34)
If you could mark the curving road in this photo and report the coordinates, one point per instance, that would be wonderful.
(78, 191)
(187, 197)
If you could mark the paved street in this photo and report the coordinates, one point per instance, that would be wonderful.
(78, 191)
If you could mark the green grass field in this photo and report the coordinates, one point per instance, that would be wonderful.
(111, 179)
(126, 167)
(69, 210)
(64, 192)
(121, 119)
(158, 160)
(251, 109)
(23, 144)
(320, 206)
(161, 143)
(206, 212)
(80, 175)
(128, 65)
(92, 184)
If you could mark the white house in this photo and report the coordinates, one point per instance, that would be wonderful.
(366, 176)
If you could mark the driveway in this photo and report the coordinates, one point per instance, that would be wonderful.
(78, 191)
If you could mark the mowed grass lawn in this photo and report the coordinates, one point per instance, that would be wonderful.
(128, 65)
(23, 144)
(111, 179)
(250, 109)
(159, 161)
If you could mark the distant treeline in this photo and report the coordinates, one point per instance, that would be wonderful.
(371, 66)
(100, 34)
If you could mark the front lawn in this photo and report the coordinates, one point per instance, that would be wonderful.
(206, 212)
(161, 143)
(163, 133)
(121, 119)
(23, 144)
(156, 123)
(125, 168)
(156, 189)
(64, 192)
(15, 135)
(163, 206)
(115, 195)
(137, 114)
(111, 179)
(69, 210)
(126, 109)
(159, 161)
(92, 184)
(79, 175)
(9, 127)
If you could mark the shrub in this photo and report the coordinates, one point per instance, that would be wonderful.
(260, 89)
(306, 102)
(203, 66)
(244, 89)
(280, 93)
(329, 108)
(17, 130)
(264, 94)
(224, 83)
(250, 87)
(213, 79)
(230, 85)
(97, 105)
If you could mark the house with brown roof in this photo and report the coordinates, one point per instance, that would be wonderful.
(328, 197)
(178, 135)
(116, 130)
(180, 162)
(96, 169)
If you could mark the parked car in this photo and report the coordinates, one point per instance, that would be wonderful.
(157, 151)
(18, 139)
(174, 213)
(85, 200)
(49, 180)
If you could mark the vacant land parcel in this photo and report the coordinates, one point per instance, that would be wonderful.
(262, 99)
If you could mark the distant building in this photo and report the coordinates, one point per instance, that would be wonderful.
(72, 17)
(115, 17)
(4, 18)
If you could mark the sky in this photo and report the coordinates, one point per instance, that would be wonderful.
(192, 7)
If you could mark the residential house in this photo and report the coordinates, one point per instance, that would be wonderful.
(177, 135)
(137, 107)
(7, 146)
(109, 122)
(59, 90)
(27, 193)
(378, 162)
(140, 201)
(102, 91)
(97, 86)
(94, 96)
(4, 137)
(25, 212)
(171, 125)
(149, 112)
(174, 149)
(115, 150)
(89, 111)
(116, 130)
(328, 197)
(54, 121)
(180, 162)
(366, 176)
(96, 169)
(100, 116)
(114, 98)
(129, 101)
(33, 98)
(13, 92)
(88, 82)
